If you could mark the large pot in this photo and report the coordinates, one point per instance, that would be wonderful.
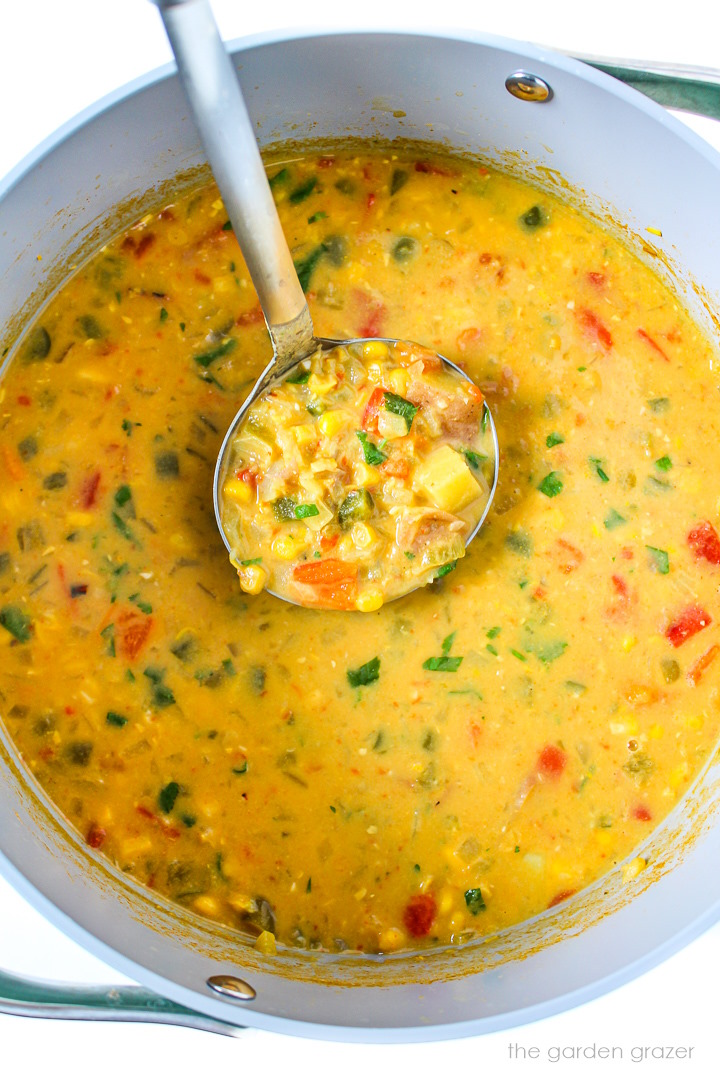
(629, 164)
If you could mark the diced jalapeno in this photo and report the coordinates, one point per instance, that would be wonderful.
(358, 506)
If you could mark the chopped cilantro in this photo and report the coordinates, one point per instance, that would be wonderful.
(372, 455)
(597, 464)
(442, 663)
(401, 407)
(474, 901)
(614, 520)
(551, 485)
(663, 463)
(365, 674)
(554, 439)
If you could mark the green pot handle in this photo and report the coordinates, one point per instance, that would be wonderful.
(67, 1001)
(690, 89)
(676, 86)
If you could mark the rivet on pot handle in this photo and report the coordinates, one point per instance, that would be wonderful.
(676, 86)
(67, 1001)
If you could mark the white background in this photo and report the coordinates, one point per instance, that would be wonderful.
(56, 58)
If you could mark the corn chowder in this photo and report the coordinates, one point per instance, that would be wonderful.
(461, 758)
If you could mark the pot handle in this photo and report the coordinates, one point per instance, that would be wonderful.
(67, 1001)
(676, 86)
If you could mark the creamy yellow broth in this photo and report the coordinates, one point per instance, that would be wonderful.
(460, 759)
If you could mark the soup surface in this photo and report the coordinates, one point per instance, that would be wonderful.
(460, 759)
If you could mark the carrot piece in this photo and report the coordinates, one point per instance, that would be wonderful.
(695, 673)
(325, 572)
(594, 328)
(13, 465)
(653, 344)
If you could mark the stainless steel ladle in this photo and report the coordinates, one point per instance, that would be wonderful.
(210, 83)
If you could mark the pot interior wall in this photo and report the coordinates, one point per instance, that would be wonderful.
(599, 144)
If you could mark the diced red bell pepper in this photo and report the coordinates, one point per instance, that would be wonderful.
(419, 914)
(370, 416)
(551, 761)
(594, 328)
(696, 672)
(705, 542)
(689, 622)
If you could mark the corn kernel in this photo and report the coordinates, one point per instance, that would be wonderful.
(629, 642)
(237, 491)
(678, 775)
(369, 600)
(207, 905)
(695, 723)
(374, 350)
(243, 904)
(446, 902)
(321, 386)
(391, 940)
(252, 579)
(366, 476)
(398, 379)
(333, 421)
(78, 519)
(603, 838)
(265, 943)
(633, 868)
(288, 547)
(304, 435)
(363, 536)
(135, 846)
(554, 342)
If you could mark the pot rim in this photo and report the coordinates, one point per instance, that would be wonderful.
(454, 1029)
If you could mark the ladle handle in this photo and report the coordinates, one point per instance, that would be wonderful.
(210, 83)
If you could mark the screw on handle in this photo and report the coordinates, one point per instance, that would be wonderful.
(210, 83)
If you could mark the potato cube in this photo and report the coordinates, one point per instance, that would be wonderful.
(445, 478)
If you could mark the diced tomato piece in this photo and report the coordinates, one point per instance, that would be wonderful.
(569, 557)
(705, 542)
(596, 279)
(469, 338)
(653, 344)
(23, 399)
(251, 317)
(327, 543)
(639, 694)
(419, 915)
(370, 416)
(701, 665)
(133, 630)
(95, 836)
(641, 813)
(551, 761)
(371, 315)
(325, 572)
(248, 476)
(89, 490)
(594, 328)
(688, 623)
(396, 466)
(325, 162)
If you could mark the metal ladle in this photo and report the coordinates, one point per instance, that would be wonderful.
(210, 83)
